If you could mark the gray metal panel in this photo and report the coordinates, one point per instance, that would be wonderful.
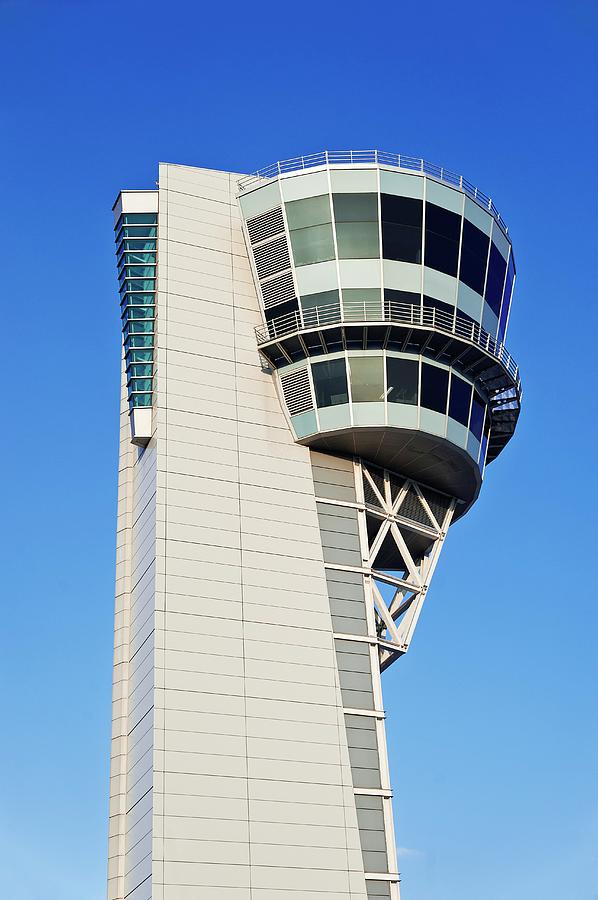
(374, 861)
(350, 660)
(359, 737)
(337, 557)
(343, 625)
(352, 609)
(378, 890)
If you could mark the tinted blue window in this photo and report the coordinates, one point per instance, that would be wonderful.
(497, 266)
(443, 228)
(506, 303)
(476, 422)
(401, 228)
(434, 388)
(330, 382)
(474, 254)
(460, 399)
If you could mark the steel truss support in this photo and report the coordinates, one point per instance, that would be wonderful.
(402, 527)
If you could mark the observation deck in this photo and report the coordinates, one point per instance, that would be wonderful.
(386, 285)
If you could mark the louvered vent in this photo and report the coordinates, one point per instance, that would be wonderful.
(278, 289)
(266, 226)
(272, 258)
(297, 391)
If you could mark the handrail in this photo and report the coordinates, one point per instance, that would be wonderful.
(357, 312)
(376, 157)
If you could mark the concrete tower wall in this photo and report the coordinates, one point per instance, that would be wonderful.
(232, 778)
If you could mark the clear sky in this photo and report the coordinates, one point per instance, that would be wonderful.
(493, 729)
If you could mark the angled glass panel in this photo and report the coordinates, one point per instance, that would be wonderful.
(330, 382)
(506, 303)
(143, 218)
(460, 399)
(139, 312)
(476, 421)
(367, 378)
(401, 228)
(141, 400)
(305, 213)
(142, 356)
(355, 207)
(497, 267)
(402, 376)
(434, 388)
(136, 259)
(140, 370)
(474, 254)
(138, 231)
(442, 239)
(358, 240)
(312, 245)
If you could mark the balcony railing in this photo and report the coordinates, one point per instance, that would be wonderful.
(370, 312)
(376, 157)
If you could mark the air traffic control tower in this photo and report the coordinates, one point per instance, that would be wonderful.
(314, 383)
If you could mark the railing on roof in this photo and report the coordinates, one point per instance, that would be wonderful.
(368, 312)
(378, 157)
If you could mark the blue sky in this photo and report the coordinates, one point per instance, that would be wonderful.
(493, 726)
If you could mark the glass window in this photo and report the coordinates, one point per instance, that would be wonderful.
(141, 400)
(135, 259)
(139, 312)
(323, 298)
(434, 388)
(137, 245)
(497, 266)
(145, 218)
(140, 384)
(474, 255)
(447, 310)
(362, 303)
(139, 285)
(476, 422)
(312, 211)
(140, 370)
(138, 340)
(142, 356)
(138, 272)
(401, 228)
(402, 376)
(357, 240)
(282, 309)
(330, 382)
(312, 245)
(460, 399)
(506, 303)
(355, 207)
(137, 231)
(138, 327)
(138, 299)
(442, 239)
(367, 378)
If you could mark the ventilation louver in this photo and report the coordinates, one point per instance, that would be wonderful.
(297, 392)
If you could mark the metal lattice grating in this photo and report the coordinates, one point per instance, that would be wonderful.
(378, 479)
(296, 390)
(278, 290)
(370, 495)
(265, 226)
(412, 508)
(438, 503)
(272, 258)
(396, 485)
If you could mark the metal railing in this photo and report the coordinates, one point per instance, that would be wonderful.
(379, 157)
(367, 312)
